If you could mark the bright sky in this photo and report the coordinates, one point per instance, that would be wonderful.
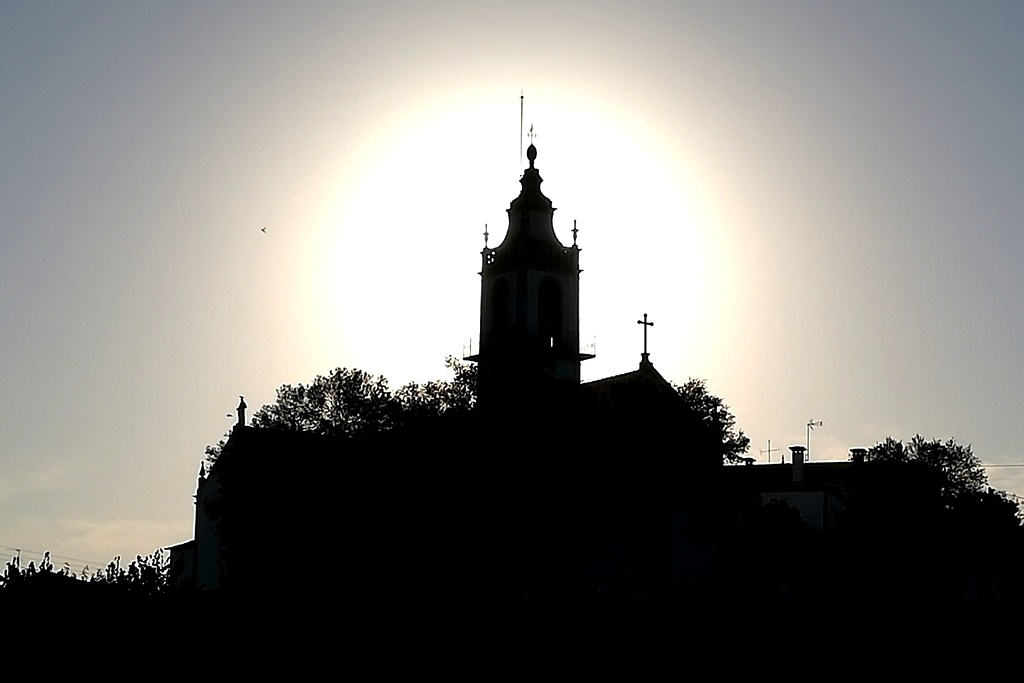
(818, 205)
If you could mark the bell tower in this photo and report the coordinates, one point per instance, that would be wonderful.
(529, 299)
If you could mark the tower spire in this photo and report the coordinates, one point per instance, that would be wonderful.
(529, 299)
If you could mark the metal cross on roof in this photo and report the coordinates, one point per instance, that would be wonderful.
(646, 325)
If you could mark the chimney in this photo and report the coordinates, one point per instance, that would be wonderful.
(857, 455)
(797, 453)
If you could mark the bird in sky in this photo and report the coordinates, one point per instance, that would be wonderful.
(264, 230)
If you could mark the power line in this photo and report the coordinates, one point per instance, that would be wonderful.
(41, 553)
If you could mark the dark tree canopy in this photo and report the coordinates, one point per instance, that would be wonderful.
(714, 413)
(962, 471)
(352, 402)
(344, 401)
(143, 578)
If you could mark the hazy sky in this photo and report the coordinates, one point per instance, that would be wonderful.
(818, 205)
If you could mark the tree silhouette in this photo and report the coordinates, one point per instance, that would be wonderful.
(145, 578)
(351, 402)
(962, 471)
(714, 413)
(342, 403)
(925, 527)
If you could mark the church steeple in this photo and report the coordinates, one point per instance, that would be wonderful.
(529, 298)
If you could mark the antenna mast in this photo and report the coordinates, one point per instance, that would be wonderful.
(811, 424)
(520, 129)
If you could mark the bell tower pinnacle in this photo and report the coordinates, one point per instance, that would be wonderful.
(529, 298)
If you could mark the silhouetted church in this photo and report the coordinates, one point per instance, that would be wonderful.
(578, 480)
(553, 488)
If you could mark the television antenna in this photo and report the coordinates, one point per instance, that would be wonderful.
(811, 424)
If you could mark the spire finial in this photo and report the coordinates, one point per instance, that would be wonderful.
(574, 231)
(486, 235)
(531, 151)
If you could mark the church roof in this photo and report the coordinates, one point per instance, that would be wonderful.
(645, 383)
